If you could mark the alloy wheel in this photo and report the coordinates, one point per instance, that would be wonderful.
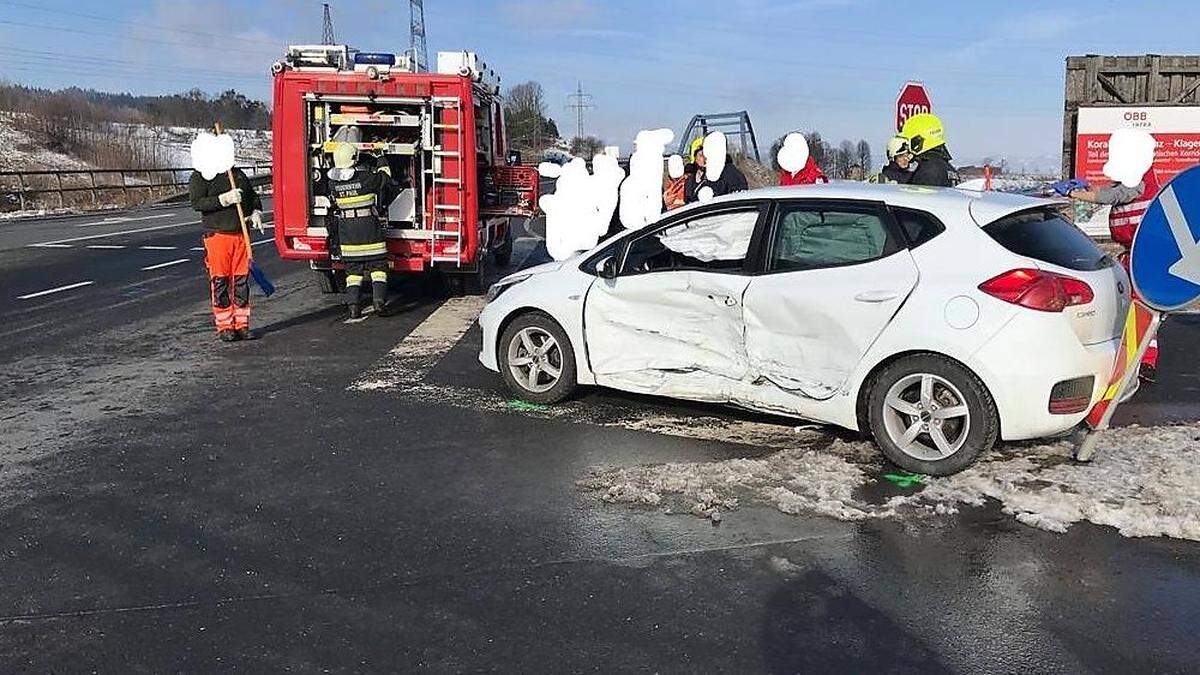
(535, 359)
(926, 416)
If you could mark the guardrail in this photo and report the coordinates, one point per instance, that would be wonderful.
(96, 188)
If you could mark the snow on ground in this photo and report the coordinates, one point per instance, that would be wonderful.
(1143, 482)
(174, 143)
(21, 152)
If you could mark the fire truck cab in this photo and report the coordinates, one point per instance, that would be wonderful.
(442, 135)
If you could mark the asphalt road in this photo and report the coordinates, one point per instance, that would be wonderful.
(168, 502)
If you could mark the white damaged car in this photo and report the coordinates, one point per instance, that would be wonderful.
(936, 320)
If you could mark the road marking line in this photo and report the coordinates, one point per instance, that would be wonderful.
(196, 248)
(51, 245)
(55, 290)
(114, 234)
(166, 264)
(105, 247)
(126, 219)
(260, 241)
(158, 248)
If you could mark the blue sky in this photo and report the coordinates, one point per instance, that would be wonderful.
(994, 69)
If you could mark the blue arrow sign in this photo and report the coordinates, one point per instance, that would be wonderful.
(1165, 261)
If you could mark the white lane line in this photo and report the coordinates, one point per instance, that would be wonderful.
(260, 241)
(51, 246)
(196, 248)
(166, 264)
(126, 219)
(158, 248)
(89, 237)
(105, 247)
(55, 290)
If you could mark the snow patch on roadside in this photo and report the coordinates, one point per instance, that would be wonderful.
(1144, 482)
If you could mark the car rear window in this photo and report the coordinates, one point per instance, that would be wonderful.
(1043, 234)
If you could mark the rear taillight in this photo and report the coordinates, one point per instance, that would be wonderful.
(1071, 396)
(1038, 289)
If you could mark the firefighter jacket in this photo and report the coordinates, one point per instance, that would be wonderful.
(205, 198)
(359, 196)
(1123, 219)
(934, 169)
(892, 173)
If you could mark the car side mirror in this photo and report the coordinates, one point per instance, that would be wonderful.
(607, 269)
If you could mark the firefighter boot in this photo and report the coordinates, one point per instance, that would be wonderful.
(227, 335)
(378, 295)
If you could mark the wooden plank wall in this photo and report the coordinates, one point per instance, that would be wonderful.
(1147, 80)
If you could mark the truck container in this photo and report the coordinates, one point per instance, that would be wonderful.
(441, 133)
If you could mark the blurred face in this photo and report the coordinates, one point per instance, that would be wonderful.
(700, 161)
(903, 160)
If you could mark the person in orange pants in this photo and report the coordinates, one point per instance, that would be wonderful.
(228, 265)
(225, 253)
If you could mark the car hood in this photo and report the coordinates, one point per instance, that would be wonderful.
(552, 266)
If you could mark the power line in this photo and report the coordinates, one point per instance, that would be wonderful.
(416, 23)
(327, 30)
(138, 24)
(580, 102)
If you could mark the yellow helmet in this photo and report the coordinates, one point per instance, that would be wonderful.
(697, 146)
(924, 133)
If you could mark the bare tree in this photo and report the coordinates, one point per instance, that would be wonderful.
(844, 159)
(587, 146)
(818, 149)
(865, 160)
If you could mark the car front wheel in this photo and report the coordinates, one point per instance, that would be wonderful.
(536, 359)
(931, 415)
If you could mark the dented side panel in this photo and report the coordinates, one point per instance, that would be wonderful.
(807, 331)
(671, 333)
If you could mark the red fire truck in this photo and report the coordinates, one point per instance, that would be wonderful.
(442, 134)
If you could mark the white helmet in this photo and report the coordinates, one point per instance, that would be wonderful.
(897, 145)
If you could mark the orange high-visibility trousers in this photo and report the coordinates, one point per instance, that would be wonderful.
(228, 264)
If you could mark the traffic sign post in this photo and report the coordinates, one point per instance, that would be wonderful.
(1165, 267)
(913, 99)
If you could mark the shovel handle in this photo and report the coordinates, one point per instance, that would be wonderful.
(241, 213)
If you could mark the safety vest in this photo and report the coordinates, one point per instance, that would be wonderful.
(355, 201)
(1123, 220)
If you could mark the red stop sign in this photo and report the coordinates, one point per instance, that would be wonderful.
(913, 100)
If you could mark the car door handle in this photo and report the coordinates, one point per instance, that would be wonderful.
(876, 296)
(727, 300)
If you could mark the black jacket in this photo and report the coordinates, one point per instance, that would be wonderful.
(934, 169)
(731, 180)
(360, 201)
(204, 196)
(892, 173)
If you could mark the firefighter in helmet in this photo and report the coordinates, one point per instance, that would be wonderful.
(927, 141)
(359, 192)
(900, 166)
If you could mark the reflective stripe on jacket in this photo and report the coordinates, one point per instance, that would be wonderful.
(1123, 219)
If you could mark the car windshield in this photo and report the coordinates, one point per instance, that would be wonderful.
(1043, 234)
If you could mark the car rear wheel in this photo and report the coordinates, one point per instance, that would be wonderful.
(536, 359)
(930, 415)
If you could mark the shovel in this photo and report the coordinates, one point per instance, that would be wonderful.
(256, 272)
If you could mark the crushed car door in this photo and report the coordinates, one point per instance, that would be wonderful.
(670, 322)
(834, 275)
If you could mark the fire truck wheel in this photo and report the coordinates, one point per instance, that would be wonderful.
(468, 283)
(504, 251)
(331, 281)
(536, 359)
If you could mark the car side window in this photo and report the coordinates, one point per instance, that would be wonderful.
(918, 226)
(715, 242)
(811, 237)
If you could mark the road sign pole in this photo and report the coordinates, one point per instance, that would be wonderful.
(1085, 447)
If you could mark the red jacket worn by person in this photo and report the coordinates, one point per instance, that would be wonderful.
(811, 173)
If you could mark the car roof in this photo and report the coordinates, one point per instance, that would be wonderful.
(984, 207)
